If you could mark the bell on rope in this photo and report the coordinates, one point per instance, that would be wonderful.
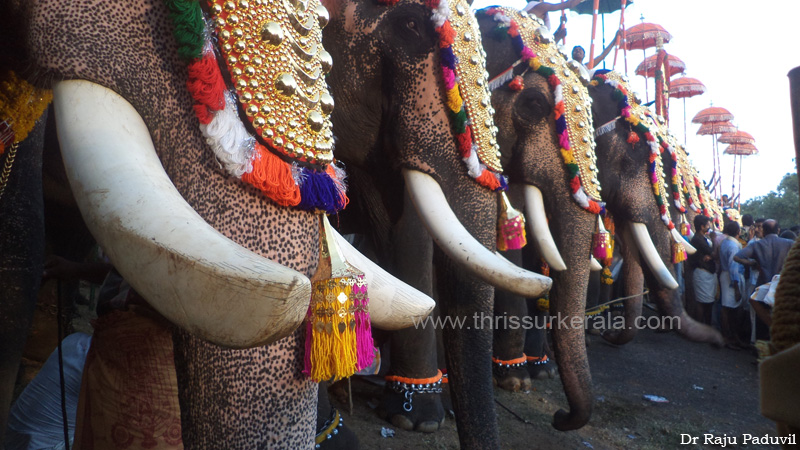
(338, 333)
(510, 227)
(602, 246)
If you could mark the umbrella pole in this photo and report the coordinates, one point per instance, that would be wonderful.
(684, 121)
(603, 34)
(733, 178)
(620, 38)
(596, 6)
(563, 15)
(741, 162)
(646, 95)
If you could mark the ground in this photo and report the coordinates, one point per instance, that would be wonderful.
(661, 364)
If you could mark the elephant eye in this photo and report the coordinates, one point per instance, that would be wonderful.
(412, 25)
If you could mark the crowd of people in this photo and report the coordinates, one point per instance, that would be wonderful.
(733, 274)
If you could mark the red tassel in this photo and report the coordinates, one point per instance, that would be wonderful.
(633, 138)
(488, 179)
(465, 142)
(516, 84)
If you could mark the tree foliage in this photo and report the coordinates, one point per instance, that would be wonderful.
(782, 204)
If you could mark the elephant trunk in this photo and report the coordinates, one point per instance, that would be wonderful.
(567, 303)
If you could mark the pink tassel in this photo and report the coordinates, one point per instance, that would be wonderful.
(527, 53)
(449, 78)
(365, 348)
(563, 140)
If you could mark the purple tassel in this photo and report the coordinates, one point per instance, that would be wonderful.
(448, 58)
(365, 348)
(320, 192)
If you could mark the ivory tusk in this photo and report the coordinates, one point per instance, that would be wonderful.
(539, 230)
(594, 265)
(451, 236)
(197, 278)
(651, 257)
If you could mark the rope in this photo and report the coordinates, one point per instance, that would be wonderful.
(785, 330)
(602, 307)
(12, 154)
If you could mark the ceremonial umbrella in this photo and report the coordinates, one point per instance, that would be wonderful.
(601, 7)
(715, 121)
(685, 87)
(647, 68)
(713, 114)
(644, 36)
(739, 150)
(737, 137)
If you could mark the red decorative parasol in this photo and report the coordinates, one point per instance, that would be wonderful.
(737, 137)
(713, 128)
(713, 114)
(684, 87)
(648, 67)
(741, 149)
(645, 35)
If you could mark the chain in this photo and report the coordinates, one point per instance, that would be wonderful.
(408, 390)
(12, 153)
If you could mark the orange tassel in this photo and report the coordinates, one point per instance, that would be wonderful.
(273, 176)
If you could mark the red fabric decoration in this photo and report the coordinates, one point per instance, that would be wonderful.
(465, 142)
(489, 180)
(633, 138)
(575, 184)
(516, 84)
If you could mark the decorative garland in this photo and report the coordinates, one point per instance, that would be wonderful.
(511, 28)
(288, 169)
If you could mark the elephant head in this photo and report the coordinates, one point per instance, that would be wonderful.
(414, 161)
(545, 137)
(224, 259)
(629, 160)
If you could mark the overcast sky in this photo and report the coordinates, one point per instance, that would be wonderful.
(740, 50)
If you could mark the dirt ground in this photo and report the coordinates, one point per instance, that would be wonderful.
(709, 391)
(661, 364)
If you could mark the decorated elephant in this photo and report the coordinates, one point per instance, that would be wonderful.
(418, 67)
(544, 116)
(631, 171)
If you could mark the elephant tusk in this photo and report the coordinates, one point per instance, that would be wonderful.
(537, 222)
(392, 303)
(197, 278)
(651, 257)
(680, 240)
(456, 242)
(594, 265)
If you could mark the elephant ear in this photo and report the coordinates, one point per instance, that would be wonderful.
(531, 106)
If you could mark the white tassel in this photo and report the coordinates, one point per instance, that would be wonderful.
(230, 141)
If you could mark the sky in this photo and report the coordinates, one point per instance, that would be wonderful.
(742, 52)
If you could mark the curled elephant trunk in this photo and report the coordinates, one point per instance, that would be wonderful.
(197, 278)
(456, 242)
(651, 256)
(540, 231)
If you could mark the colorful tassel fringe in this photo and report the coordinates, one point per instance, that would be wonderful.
(602, 246)
(510, 227)
(678, 253)
(338, 333)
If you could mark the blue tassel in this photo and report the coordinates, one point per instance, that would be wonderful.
(503, 183)
(561, 124)
(319, 191)
(448, 58)
(517, 43)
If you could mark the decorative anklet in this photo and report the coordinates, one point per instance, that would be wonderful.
(536, 360)
(330, 428)
(516, 362)
(410, 386)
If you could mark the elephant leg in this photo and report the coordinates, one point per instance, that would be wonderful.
(331, 431)
(413, 350)
(632, 286)
(254, 398)
(509, 366)
(540, 366)
(21, 258)
(468, 344)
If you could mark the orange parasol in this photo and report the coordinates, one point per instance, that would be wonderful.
(647, 68)
(713, 128)
(741, 149)
(684, 87)
(737, 137)
(645, 35)
(713, 114)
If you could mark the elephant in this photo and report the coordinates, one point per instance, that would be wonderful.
(387, 56)
(530, 142)
(198, 249)
(623, 163)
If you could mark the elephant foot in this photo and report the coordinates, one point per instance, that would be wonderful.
(413, 404)
(541, 368)
(335, 435)
(511, 375)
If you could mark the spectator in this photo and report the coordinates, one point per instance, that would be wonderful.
(541, 10)
(705, 280)
(744, 232)
(731, 284)
(578, 53)
(789, 234)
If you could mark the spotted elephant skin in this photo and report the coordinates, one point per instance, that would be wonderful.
(629, 197)
(391, 64)
(529, 143)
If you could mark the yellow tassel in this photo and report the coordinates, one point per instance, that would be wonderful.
(338, 296)
(678, 253)
(510, 227)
